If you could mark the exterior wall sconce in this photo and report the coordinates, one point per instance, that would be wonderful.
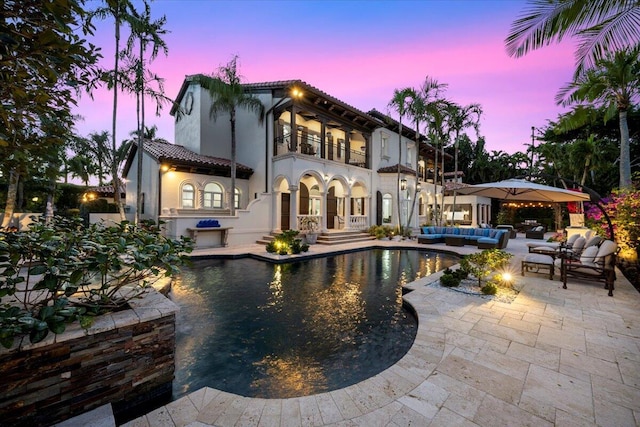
(403, 184)
(164, 168)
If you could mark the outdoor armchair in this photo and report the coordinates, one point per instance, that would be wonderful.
(596, 263)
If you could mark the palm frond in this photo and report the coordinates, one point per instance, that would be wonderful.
(541, 23)
(620, 31)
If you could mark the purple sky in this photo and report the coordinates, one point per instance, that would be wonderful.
(357, 51)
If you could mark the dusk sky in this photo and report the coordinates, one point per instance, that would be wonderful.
(356, 51)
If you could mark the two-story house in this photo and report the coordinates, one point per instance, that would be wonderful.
(312, 155)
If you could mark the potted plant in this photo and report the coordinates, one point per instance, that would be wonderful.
(309, 227)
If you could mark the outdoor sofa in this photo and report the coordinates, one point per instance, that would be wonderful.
(535, 233)
(484, 238)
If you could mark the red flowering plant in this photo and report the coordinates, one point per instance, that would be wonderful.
(623, 208)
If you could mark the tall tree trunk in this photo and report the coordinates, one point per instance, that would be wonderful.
(455, 178)
(232, 118)
(140, 112)
(413, 205)
(11, 199)
(48, 210)
(442, 185)
(625, 156)
(114, 166)
(398, 189)
(434, 214)
(585, 170)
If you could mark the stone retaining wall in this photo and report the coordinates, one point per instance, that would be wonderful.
(125, 358)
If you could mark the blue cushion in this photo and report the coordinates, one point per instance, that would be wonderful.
(425, 230)
(440, 230)
(488, 240)
(208, 223)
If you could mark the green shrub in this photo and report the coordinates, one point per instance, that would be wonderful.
(450, 280)
(287, 243)
(296, 246)
(57, 272)
(489, 289)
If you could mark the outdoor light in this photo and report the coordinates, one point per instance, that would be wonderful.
(35, 199)
(403, 184)
(164, 168)
(296, 93)
(418, 187)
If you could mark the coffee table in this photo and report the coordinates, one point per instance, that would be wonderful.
(454, 240)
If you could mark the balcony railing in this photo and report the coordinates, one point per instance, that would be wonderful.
(311, 145)
(358, 222)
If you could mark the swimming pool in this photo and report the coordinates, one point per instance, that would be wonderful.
(259, 329)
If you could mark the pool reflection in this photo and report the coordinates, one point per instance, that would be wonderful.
(284, 330)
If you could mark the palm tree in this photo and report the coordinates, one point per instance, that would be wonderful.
(119, 9)
(400, 103)
(614, 83)
(601, 26)
(417, 111)
(460, 118)
(145, 32)
(228, 95)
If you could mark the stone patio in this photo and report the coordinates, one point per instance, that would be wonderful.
(565, 357)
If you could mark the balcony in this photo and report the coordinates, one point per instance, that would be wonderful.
(310, 144)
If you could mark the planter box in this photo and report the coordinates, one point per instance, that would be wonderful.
(126, 358)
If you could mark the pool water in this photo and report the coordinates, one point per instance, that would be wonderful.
(267, 330)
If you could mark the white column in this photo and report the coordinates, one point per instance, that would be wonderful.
(323, 223)
(276, 206)
(293, 207)
(347, 210)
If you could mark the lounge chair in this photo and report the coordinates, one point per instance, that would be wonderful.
(596, 263)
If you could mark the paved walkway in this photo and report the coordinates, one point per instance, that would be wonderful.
(565, 357)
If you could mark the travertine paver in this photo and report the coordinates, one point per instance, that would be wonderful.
(564, 357)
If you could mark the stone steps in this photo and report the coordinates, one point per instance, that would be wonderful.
(331, 238)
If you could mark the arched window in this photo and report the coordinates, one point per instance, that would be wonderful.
(212, 196)
(236, 199)
(188, 196)
(387, 205)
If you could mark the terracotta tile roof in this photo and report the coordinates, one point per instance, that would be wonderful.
(394, 169)
(450, 186)
(365, 118)
(106, 189)
(163, 151)
(178, 155)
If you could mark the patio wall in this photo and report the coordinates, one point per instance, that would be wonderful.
(125, 358)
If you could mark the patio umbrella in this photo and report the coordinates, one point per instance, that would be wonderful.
(523, 190)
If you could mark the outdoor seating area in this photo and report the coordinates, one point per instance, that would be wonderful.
(552, 389)
(483, 238)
